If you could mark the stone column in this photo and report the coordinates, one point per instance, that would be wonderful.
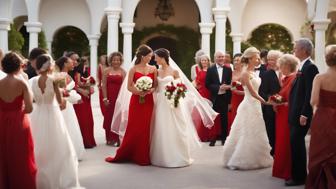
(113, 15)
(320, 26)
(127, 30)
(34, 28)
(4, 28)
(206, 30)
(236, 38)
(93, 53)
(220, 15)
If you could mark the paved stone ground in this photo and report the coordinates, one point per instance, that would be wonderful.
(206, 172)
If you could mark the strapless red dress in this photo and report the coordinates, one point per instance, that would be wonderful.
(135, 145)
(17, 162)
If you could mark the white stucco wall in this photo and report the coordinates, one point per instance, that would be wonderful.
(186, 14)
(57, 14)
(289, 13)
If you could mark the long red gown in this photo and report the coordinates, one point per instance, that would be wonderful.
(113, 84)
(17, 162)
(322, 150)
(282, 155)
(100, 77)
(85, 119)
(136, 142)
(236, 99)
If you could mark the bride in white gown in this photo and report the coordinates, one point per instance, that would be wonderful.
(173, 132)
(65, 65)
(247, 146)
(57, 165)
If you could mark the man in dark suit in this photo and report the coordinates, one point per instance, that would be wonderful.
(300, 110)
(31, 67)
(218, 80)
(269, 86)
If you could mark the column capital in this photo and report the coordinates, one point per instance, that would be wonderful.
(236, 37)
(93, 39)
(113, 12)
(206, 28)
(221, 13)
(34, 27)
(321, 24)
(5, 24)
(127, 28)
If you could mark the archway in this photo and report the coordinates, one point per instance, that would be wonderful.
(164, 42)
(70, 38)
(271, 36)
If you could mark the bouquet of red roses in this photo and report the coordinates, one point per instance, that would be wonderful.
(278, 99)
(174, 92)
(235, 84)
(88, 83)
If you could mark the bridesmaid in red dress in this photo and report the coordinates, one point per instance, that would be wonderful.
(113, 77)
(322, 150)
(83, 110)
(237, 91)
(201, 69)
(282, 155)
(136, 142)
(17, 162)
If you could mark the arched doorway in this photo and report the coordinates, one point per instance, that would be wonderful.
(70, 38)
(164, 42)
(271, 36)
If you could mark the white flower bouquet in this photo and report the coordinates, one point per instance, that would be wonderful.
(144, 83)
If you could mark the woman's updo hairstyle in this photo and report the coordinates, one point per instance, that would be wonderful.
(61, 62)
(43, 62)
(331, 55)
(249, 53)
(142, 51)
(163, 53)
(11, 62)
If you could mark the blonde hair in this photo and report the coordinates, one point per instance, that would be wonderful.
(330, 56)
(289, 60)
(200, 59)
(248, 53)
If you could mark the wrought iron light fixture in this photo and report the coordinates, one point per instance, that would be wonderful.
(164, 10)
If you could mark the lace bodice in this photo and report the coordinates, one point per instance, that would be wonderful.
(255, 81)
(46, 97)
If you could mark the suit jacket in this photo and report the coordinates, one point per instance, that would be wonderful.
(270, 84)
(262, 69)
(30, 71)
(212, 83)
(299, 97)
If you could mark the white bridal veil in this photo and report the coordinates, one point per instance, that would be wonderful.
(193, 100)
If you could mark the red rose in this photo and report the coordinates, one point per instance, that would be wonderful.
(298, 74)
(65, 93)
(92, 80)
(83, 79)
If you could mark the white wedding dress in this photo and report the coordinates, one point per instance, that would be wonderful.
(247, 146)
(72, 122)
(173, 133)
(56, 160)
